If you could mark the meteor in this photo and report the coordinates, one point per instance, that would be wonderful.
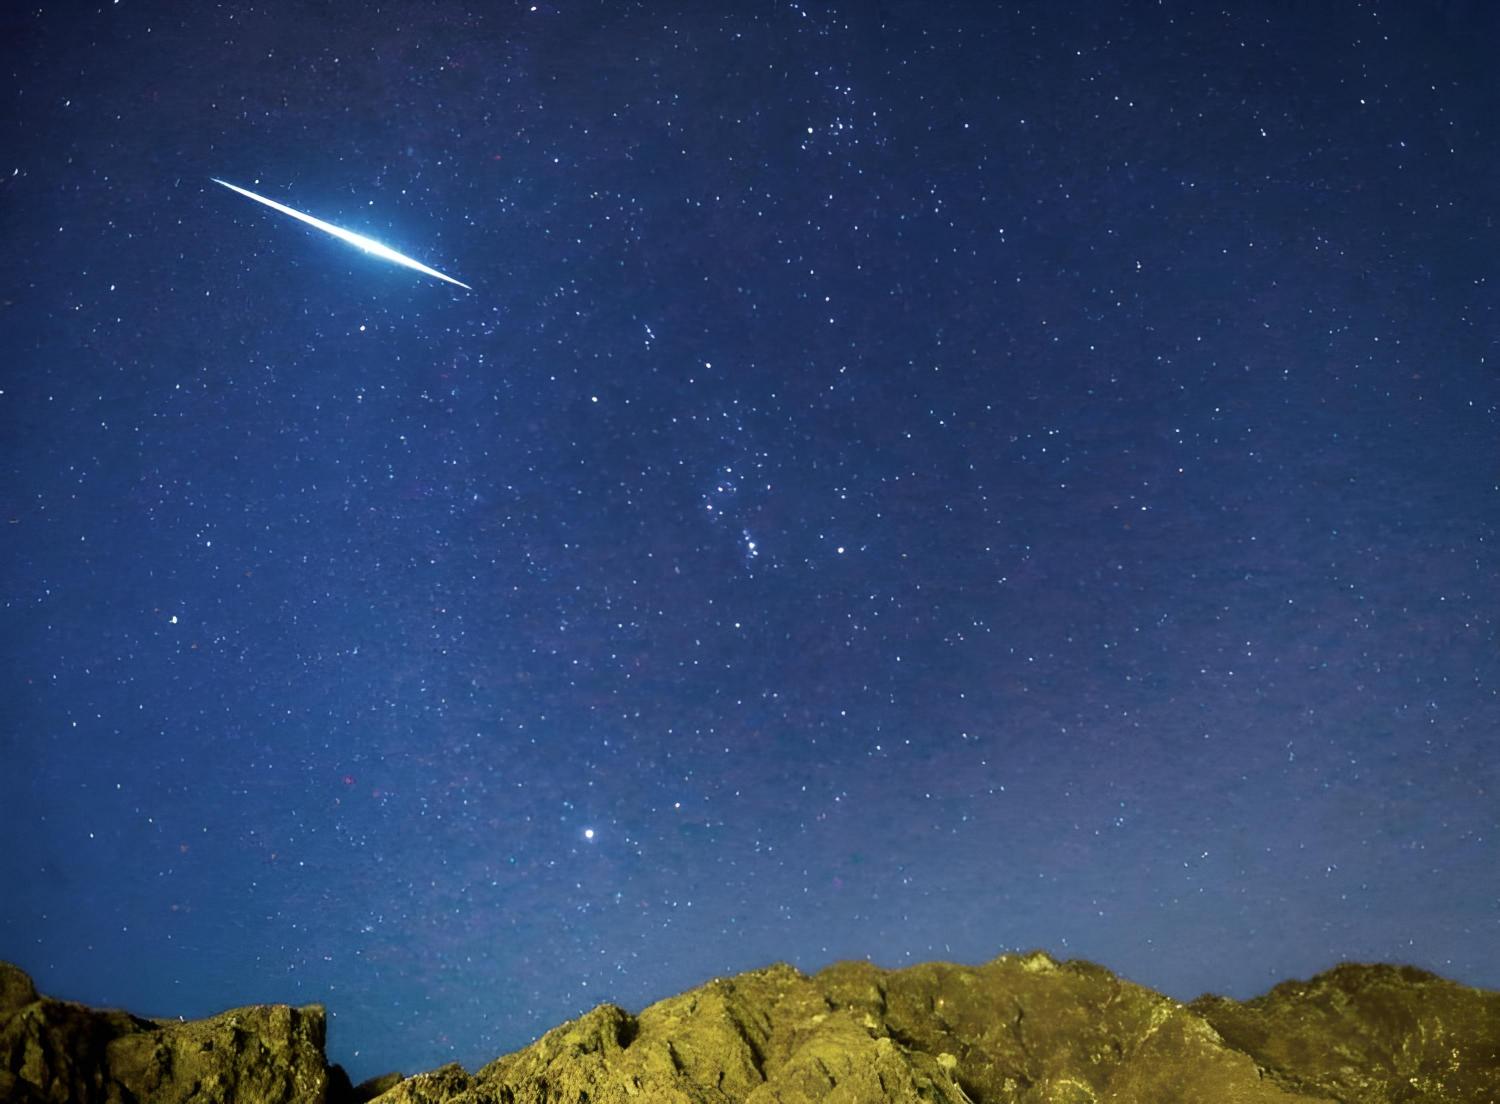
(369, 245)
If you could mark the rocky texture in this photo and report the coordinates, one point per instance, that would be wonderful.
(1369, 1033)
(1022, 1029)
(65, 1053)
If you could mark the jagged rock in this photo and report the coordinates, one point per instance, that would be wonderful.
(1022, 1029)
(261, 1053)
(1370, 1033)
(66, 1053)
(369, 1089)
(16, 989)
(56, 1048)
(1019, 1029)
(439, 1086)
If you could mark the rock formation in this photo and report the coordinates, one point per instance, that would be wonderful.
(65, 1053)
(1022, 1029)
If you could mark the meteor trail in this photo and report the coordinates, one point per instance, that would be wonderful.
(369, 245)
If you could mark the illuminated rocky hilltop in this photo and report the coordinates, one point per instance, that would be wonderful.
(1022, 1029)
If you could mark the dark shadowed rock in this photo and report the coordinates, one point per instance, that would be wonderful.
(16, 989)
(57, 1048)
(1022, 1029)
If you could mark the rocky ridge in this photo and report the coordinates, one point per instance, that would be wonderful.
(1021, 1029)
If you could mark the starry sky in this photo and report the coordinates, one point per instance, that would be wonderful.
(910, 481)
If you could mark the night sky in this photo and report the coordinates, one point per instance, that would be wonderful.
(910, 481)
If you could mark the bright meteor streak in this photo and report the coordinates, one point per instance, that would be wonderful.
(369, 245)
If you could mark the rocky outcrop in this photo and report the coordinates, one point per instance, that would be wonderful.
(65, 1053)
(1022, 1029)
(1369, 1033)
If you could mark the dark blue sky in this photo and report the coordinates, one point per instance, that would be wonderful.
(910, 481)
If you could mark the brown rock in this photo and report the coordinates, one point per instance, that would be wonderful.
(262, 1053)
(58, 1048)
(372, 1087)
(16, 989)
(1370, 1033)
(1025, 1028)
(443, 1085)
(1022, 1029)
(58, 1051)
